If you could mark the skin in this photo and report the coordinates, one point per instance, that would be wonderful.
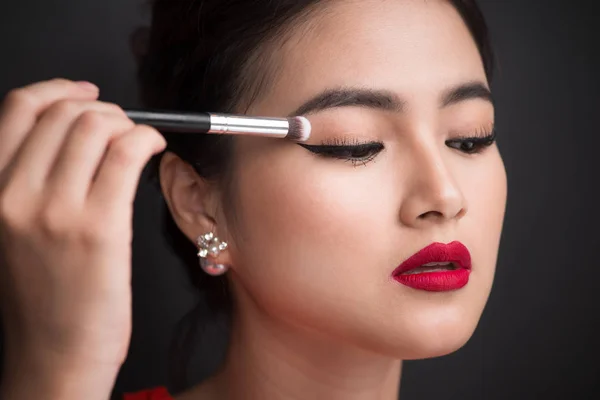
(314, 240)
(69, 168)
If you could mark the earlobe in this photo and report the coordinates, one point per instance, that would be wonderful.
(210, 247)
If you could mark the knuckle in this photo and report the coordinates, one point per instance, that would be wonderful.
(114, 108)
(150, 133)
(19, 97)
(147, 130)
(129, 124)
(123, 123)
(91, 120)
(54, 220)
(92, 235)
(12, 212)
(121, 154)
(64, 108)
(61, 83)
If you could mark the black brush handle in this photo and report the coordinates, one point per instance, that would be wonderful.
(171, 121)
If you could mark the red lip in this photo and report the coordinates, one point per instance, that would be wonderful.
(455, 252)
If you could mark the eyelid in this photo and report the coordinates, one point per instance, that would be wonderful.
(370, 149)
(338, 143)
(479, 141)
(347, 140)
(481, 131)
(480, 134)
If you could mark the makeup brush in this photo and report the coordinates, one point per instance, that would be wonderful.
(295, 128)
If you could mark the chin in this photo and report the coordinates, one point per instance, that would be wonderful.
(429, 339)
(429, 347)
(435, 341)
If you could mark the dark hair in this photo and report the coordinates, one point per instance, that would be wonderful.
(202, 55)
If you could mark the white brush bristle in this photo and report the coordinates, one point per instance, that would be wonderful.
(300, 129)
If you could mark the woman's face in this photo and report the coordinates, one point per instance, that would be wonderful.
(317, 236)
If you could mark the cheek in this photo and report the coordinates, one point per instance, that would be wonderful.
(307, 231)
(485, 188)
(487, 201)
(320, 205)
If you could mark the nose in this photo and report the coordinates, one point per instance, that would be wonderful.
(431, 195)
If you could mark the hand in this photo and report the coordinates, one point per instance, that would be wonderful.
(69, 169)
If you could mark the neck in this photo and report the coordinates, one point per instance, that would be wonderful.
(269, 359)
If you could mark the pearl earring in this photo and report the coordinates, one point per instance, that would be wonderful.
(210, 245)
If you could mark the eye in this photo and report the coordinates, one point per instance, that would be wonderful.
(473, 144)
(356, 153)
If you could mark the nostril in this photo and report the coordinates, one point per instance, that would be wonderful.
(431, 214)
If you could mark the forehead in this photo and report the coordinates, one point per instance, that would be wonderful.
(411, 47)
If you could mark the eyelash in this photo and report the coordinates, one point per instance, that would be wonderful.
(361, 153)
(477, 142)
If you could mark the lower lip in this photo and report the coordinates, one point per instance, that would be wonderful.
(441, 281)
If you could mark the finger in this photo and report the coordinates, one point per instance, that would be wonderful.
(21, 108)
(118, 176)
(39, 150)
(81, 153)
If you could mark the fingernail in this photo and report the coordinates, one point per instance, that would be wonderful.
(88, 86)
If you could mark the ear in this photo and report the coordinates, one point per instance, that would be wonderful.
(193, 202)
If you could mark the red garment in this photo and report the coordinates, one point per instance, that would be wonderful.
(157, 393)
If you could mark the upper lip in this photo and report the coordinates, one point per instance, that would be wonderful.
(455, 252)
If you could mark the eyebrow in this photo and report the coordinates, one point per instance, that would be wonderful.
(386, 100)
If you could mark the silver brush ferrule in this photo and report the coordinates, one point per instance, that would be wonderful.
(275, 127)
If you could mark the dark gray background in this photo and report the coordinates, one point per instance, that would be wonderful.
(538, 338)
